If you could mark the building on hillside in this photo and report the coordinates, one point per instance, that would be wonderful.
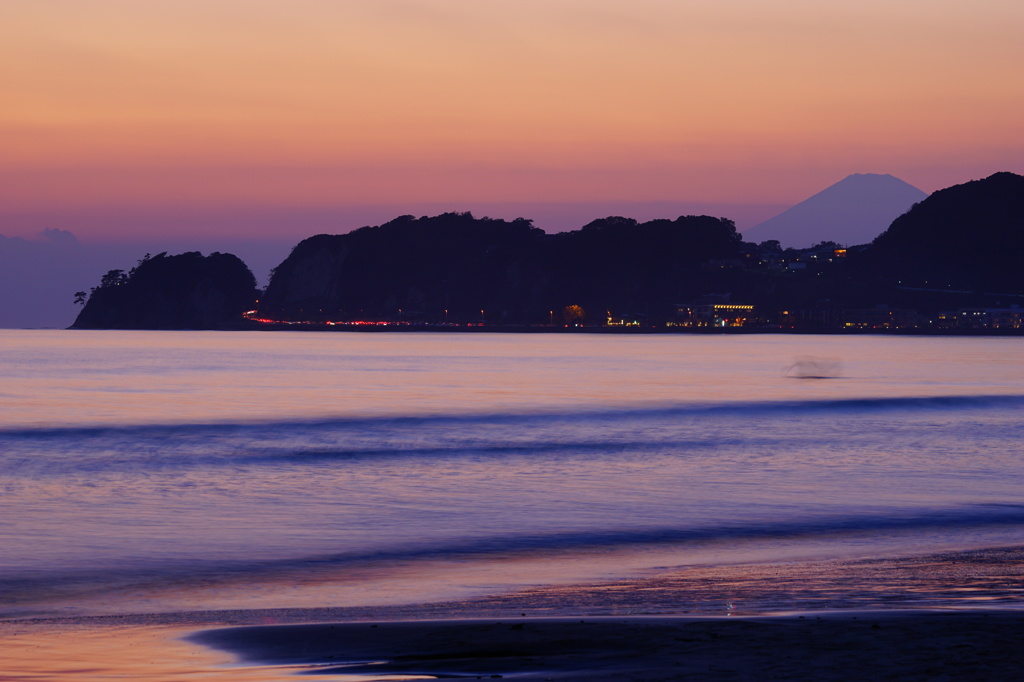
(878, 317)
(811, 318)
(626, 320)
(713, 311)
(987, 318)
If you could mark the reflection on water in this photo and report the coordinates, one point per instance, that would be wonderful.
(149, 649)
(103, 377)
(960, 580)
(89, 652)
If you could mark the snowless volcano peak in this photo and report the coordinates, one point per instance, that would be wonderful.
(854, 210)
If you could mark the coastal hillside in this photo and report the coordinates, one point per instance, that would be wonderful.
(451, 261)
(968, 237)
(458, 268)
(955, 254)
(186, 291)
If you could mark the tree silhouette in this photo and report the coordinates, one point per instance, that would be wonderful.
(187, 291)
(461, 264)
(573, 315)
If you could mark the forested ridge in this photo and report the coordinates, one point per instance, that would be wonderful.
(962, 246)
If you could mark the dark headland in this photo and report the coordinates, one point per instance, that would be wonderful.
(187, 291)
(952, 263)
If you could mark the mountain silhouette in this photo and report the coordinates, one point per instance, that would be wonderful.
(959, 248)
(855, 210)
(968, 236)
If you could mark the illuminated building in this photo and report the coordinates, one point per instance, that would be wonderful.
(711, 314)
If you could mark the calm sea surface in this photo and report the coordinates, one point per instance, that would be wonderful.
(145, 471)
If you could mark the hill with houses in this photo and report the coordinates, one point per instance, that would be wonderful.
(950, 262)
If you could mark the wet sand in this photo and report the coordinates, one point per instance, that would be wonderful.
(892, 645)
(903, 646)
(952, 616)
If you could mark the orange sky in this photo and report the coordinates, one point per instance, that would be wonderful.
(161, 105)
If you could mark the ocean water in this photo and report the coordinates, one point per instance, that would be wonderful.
(148, 472)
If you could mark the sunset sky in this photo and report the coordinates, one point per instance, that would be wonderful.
(118, 115)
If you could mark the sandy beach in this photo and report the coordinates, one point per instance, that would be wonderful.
(895, 645)
(951, 616)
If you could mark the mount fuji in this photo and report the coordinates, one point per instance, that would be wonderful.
(855, 210)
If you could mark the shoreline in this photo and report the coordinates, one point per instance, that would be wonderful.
(854, 645)
(950, 579)
(412, 328)
(957, 615)
(387, 327)
(899, 645)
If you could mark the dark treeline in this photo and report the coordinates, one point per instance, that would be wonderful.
(187, 291)
(512, 271)
(962, 246)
